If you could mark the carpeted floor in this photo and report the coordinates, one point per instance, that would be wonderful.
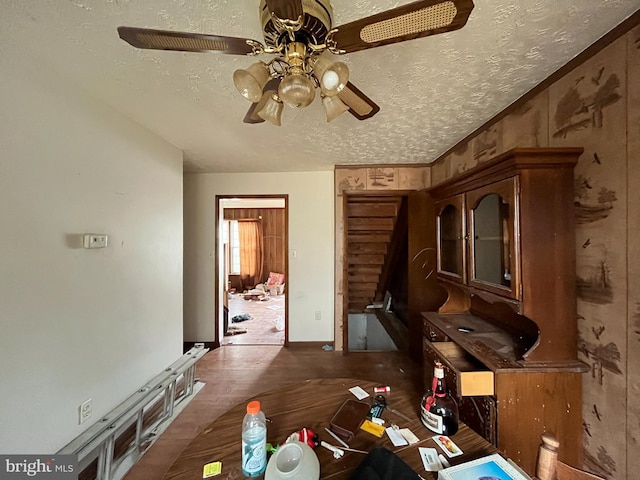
(262, 328)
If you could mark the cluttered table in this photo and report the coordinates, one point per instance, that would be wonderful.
(312, 405)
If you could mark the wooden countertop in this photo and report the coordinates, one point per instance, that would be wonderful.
(497, 348)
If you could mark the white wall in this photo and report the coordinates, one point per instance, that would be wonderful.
(367, 333)
(311, 234)
(75, 323)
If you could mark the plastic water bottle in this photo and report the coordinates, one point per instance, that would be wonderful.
(254, 441)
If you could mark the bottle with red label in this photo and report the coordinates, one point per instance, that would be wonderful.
(438, 409)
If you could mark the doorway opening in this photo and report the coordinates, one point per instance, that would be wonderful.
(375, 271)
(252, 270)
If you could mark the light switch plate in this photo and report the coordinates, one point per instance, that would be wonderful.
(94, 240)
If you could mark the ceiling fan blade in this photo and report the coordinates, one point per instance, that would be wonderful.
(414, 20)
(184, 42)
(252, 114)
(285, 9)
(360, 106)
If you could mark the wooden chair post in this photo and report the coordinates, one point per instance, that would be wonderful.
(549, 468)
(547, 458)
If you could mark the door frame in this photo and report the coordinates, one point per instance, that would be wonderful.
(218, 265)
(346, 196)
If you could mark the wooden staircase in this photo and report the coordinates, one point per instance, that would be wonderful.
(370, 222)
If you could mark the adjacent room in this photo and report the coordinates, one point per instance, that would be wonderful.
(424, 207)
(254, 307)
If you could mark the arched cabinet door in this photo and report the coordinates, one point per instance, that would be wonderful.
(451, 234)
(493, 246)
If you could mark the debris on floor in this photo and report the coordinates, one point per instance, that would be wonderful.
(241, 318)
(233, 330)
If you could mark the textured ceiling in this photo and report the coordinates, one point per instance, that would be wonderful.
(432, 91)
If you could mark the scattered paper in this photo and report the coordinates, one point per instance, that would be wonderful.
(372, 428)
(359, 392)
(212, 469)
(429, 458)
(447, 445)
(396, 437)
(409, 436)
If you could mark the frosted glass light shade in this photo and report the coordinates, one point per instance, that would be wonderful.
(333, 107)
(334, 79)
(251, 81)
(297, 90)
(272, 109)
(332, 76)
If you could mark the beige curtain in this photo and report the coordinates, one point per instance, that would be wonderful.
(250, 233)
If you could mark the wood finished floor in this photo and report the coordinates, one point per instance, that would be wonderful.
(261, 329)
(234, 373)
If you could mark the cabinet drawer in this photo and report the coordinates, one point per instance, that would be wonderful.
(433, 334)
(465, 375)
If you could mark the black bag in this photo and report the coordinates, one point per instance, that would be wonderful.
(383, 464)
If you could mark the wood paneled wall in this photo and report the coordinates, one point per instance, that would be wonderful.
(273, 229)
(604, 119)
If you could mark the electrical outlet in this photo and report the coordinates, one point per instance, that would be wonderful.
(318, 315)
(84, 411)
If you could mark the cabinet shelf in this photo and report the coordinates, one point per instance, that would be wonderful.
(511, 212)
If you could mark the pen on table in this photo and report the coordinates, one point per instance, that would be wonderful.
(445, 463)
(393, 410)
(342, 442)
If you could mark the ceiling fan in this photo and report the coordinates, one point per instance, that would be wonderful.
(301, 37)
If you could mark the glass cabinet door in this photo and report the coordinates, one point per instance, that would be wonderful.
(451, 238)
(492, 249)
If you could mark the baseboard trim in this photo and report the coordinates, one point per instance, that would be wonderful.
(213, 345)
(318, 345)
(186, 346)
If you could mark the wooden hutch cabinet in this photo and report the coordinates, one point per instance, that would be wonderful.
(507, 333)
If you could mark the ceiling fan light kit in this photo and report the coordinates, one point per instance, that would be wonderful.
(272, 109)
(297, 90)
(251, 82)
(333, 107)
(301, 36)
(332, 76)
